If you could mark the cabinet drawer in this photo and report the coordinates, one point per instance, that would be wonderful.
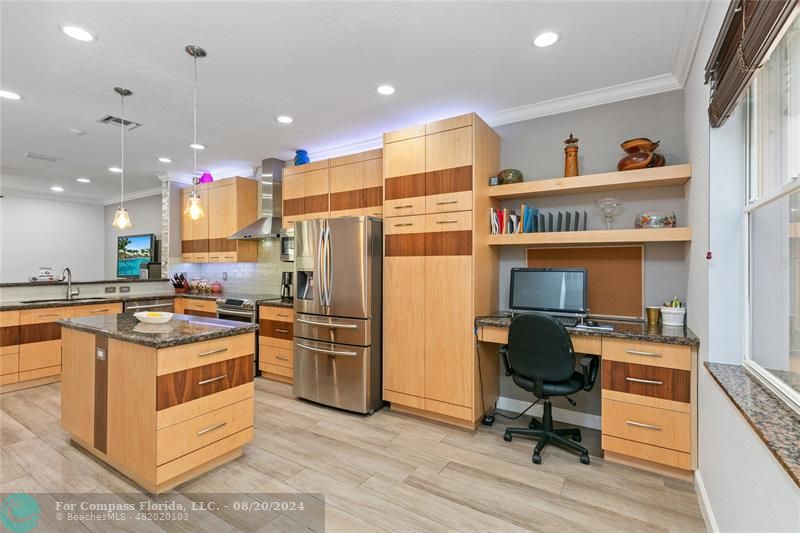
(274, 329)
(187, 258)
(39, 373)
(400, 225)
(177, 440)
(41, 316)
(654, 381)
(203, 353)
(649, 425)
(9, 318)
(655, 454)
(404, 206)
(281, 314)
(181, 387)
(283, 371)
(648, 353)
(454, 201)
(98, 309)
(9, 364)
(275, 356)
(209, 306)
(37, 355)
(8, 379)
(448, 222)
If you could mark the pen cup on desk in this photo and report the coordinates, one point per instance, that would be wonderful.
(653, 313)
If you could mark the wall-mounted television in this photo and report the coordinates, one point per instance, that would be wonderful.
(133, 253)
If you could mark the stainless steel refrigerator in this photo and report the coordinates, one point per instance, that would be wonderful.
(337, 325)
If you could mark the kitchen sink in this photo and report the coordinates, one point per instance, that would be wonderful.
(88, 299)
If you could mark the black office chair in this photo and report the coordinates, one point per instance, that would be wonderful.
(540, 358)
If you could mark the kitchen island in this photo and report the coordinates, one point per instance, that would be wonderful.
(161, 403)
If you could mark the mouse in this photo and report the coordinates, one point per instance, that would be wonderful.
(591, 323)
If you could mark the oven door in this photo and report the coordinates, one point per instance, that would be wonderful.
(237, 315)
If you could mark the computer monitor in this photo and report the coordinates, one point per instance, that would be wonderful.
(550, 290)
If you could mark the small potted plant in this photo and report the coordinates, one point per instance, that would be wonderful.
(673, 313)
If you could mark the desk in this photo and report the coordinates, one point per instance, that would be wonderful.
(649, 390)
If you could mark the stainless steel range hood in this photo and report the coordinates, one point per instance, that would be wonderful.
(269, 225)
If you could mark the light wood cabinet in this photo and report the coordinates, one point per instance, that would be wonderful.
(275, 343)
(9, 347)
(228, 206)
(431, 259)
(293, 194)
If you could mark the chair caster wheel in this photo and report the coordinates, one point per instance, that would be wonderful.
(507, 437)
(537, 459)
(585, 458)
(488, 420)
(576, 437)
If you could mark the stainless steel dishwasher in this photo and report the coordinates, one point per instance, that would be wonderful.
(159, 304)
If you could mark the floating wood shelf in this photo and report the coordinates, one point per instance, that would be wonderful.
(613, 236)
(609, 181)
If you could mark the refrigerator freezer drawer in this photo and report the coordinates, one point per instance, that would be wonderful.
(333, 329)
(337, 375)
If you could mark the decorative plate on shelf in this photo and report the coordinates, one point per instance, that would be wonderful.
(153, 317)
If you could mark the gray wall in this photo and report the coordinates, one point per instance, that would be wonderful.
(145, 216)
(535, 147)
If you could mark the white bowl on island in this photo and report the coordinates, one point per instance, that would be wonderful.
(153, 317)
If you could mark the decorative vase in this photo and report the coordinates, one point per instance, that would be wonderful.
(571, 157)
(301, 158)
(206, 177)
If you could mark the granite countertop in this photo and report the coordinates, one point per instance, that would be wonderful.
(769, 416)
(632, 330)
(260, 299)
(283, 302)
(95, 282)
(182, 329)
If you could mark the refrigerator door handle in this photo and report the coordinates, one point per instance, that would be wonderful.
(320, 267)
(329, 352)
(328, 265)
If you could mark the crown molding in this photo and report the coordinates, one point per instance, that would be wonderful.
(145, 193)
(694, 19)
(56, 197)
(606, 95)
(347, 149)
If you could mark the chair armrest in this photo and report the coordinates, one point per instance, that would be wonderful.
(504, 357)
(590, 365)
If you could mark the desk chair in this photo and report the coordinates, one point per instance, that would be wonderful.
(540, 359)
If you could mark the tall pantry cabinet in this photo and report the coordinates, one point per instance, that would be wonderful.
(439, 272)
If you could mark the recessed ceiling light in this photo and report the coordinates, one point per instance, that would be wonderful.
(165, 159)
(197, 146)
(83, 180)
(77, 33)
(284, 119)
(385, 90)
(115, 170)
(76, 131)
(9, 95)
(56, 188)
(544, 39)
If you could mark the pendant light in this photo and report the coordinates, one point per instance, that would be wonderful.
(122, 219)
(193, 207)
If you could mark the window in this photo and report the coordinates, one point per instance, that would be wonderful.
(773, 213)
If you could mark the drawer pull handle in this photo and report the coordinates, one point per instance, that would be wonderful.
(403, 225)
(48, 316)
(228, 257)
(446, 221)
(99, 311)
(212, 428)
(281, 330)
(640, 425)
(649, 354)
(282, 316)
(403, 206)
(312, 323)
(447, 202)
(212, 380)
(647, 381)
(281, 358)
(212, 352)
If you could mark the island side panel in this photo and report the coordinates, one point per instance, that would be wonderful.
(77, 385)
(131, 422)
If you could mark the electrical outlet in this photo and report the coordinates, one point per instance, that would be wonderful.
(110, 290)
(125, 289)
(224, 276)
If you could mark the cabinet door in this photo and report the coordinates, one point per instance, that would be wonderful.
(373, 187)
(293, 204)
(221, 217)
(404, 177)
(187, 225)
(316, 202)
(448, 170)
(449, 351)
(200, 228)
(347, 184)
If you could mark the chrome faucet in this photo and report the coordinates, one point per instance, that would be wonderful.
(67, 273)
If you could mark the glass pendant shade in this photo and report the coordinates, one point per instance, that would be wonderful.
(121, 219)
(193, 207)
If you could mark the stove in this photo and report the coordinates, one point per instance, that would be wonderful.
(242, 308)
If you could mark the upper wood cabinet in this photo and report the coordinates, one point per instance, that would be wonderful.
(228, 205)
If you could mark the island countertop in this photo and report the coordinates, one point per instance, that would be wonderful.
(182, 329)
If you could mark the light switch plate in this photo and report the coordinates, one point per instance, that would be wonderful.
(125, 289)
(110, 290)
(100, 353)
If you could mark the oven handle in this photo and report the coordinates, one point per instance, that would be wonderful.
(248, 314)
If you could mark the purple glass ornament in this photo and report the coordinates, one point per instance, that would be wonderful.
(206, 178)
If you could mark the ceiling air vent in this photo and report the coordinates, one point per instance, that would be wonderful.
(111, 120)
(43, 157)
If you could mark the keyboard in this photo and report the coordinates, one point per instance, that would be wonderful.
(567, 321)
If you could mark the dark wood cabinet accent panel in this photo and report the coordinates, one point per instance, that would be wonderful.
(316, 204)
(101, 395)
(405, 244)
(48, 331)
(9, 336)
(194, 312)
(373, 196)
(194, 246)
(408, 186)
(277, 329)
(293, 207)
(448, 180)
(657, 382)
(353, 199)
(187, 385)
(448, 243)
(221, 245)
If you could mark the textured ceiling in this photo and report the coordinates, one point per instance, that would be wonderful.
(318, 62)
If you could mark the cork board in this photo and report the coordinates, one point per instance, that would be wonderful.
(616, 275)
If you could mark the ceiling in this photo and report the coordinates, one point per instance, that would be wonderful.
(317, 62)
